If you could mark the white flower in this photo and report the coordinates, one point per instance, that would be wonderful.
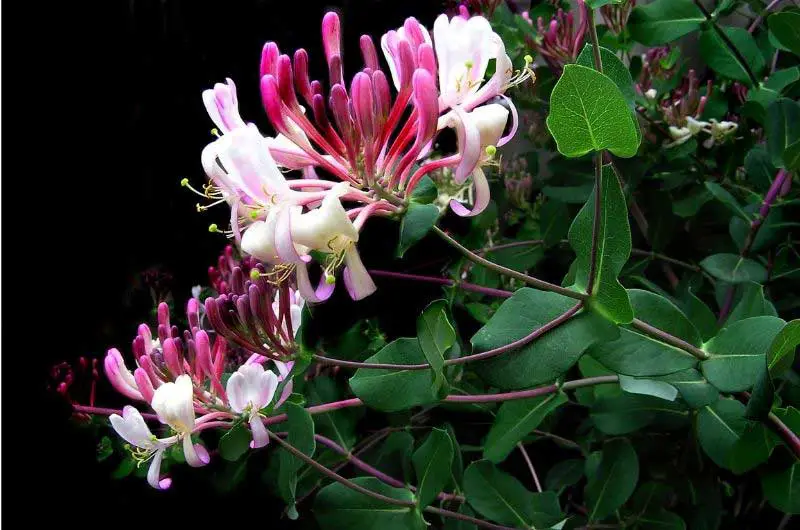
(133, 429)
(174, 404)
(250, 389)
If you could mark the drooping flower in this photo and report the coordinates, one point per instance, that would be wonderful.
(250, 389)
(174, 404)
(133, 429)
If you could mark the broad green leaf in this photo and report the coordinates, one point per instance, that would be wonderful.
(436, 336)
(648, 387)
(719, 427)
(718, 56)
(552, 219)
(546, 512)
(737, 353)
(780, 356)
(451, 523)
(691, 204)
(762, 395)
(594, 4)
(733, 268)
(564, 474)
(516, 419)
(609, 298)
(695, 390)
(393, 456)
(759, 168)
(782, 489)
(781, 128)
(338, 425)
(235, 443)
(497, 495)
(751, 304)
(659, 519)
(614, 68)
(791, 156)
(338, 507)
(752, 448)
(416, 223)
(637, 354)
(700, 315)
(301, 435)
(589, 113)
(791, 417)
(724, 196)
(627, 413)
(549, 356)
(425, 191)
(569, 194)
(614, 481)
(392, 390)
(785, 26)
(664, 21)
(432, 464)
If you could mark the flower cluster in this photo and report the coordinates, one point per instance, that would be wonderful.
(179, 375)
(363, 135)
(559, 42)
(616, 15)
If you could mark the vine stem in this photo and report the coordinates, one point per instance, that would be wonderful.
(443, 281)
(668, 338)
(760, 18)
(535, 334)
(598, 170)
(101, 411)
(535, 282)
(791, 439)
(473, 398)
(731, 46)
(530, 467)
(380, 475)
(375, 495)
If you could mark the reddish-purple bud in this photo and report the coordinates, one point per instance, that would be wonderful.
(363, 104)
(369, 53)
(301, 80)
(144, 384)
(172, 357)
(269, 59)
(331, 35)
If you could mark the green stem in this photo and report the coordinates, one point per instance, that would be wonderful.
(728, 42)
(668, 338)
(535, 282)
(598, 170)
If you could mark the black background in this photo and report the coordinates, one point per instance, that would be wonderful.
(102, 119)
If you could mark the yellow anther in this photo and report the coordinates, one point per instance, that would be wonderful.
(491, 150)
(213, 228)
(184, 182)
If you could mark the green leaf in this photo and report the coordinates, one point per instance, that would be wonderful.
(724, 196)
(569, 194)
(625, 413)
(759, 168)
(659, 519)
(718, 56)
(780, 356)
(752, 448)
(782, 489)
(733, 268)
(637, 354)
(234, 443)
(564, 474)
(719, 427)
(436, 336)
(791, 156)
(737, 353)
(338, 507)
(664, 21)
(425, 191)
(751, 304)
(393, 456)
(552, 219)
(338, 425)
(785, 26)
(768, 233)
(700, 315)
(515, 420)
(589, 113)
(614, 68)
(613, 249)
(546, 512)
(301, 435)
(695, 389)
(392, 390)
(781, 128)
(648, 387)
(691, 204)
(549, 356)
(416, 223)
(105, 448)
(614, 481)
(594, 4)
(432, 464)
(497, 495)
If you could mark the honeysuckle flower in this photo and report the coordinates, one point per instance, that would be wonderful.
(120, 377)
(133, 429)
(223, 106)
(250, 389)
(719, 131)
(174, 405)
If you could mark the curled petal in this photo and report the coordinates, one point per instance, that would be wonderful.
(196, 455)
(481, 196)
(357, 280)
(120, 377)
(154, 472)
(260, 436)
(236, 392)
(469, 144)
(514, 122)
(323, 291)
